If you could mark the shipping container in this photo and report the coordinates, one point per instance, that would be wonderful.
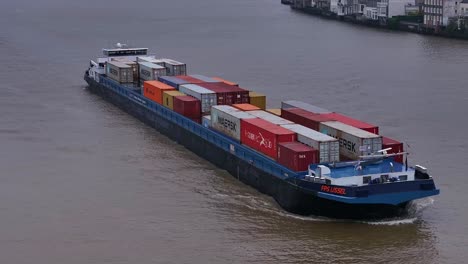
(354, 142)
(119, 72)
(327, 147)
(397, 147)
(257, 99)
(187, 106)
(353, 122)
(150, 59)
(203, 78)
(154, 90)
(174, 67)
(308, 107)
(172, 81)
(206, 97)
(264, 136)
(275, 111)
(305, 118)
(189, 79)
(246, 107)
(226, 119)
(131, 63)
(206, 121)
(150, 71)
(168, 98)
(225, 81)
(296, 156)
(270, 117)
(227, 94)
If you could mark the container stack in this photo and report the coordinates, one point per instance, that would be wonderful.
(246, 107)
(151, 71)
(119, 72)
(257, 99)
(264, 136)
(227, 120)
(354, 142)
(227, 94)
(297, 156)
(305, 118)
(168, 98)
(154, 90)
(174, 67)
(270, 117)
(206, 97)
(301, 105)
(225, 81)
(188, 106)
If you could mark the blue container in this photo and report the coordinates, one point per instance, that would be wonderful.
(172, 81)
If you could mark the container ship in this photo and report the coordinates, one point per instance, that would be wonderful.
(311, 160)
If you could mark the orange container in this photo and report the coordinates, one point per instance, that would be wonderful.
(275, 111)
(225, 81)
(154, 90)
(246, 107)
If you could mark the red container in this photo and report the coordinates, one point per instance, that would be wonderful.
(297, 156)
(264, 136)
(187, 106)
(227, 94)
(196, 120)
(396, 146)
(189, 79)
(353, 122)
(305, 118)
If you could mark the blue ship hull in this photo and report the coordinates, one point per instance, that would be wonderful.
(287, 187)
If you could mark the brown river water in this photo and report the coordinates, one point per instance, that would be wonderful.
(83, 182)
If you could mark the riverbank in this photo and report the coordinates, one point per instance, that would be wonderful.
(401, 23)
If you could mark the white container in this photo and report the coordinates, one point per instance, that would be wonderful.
(270, 117)
(150, 71)
(119, 71)
(174, 67)
(206, 121)
(354, 142)
(151, 59)
(203, 78)
(227, 120)
(207, 97)
(328, 147)
(304, 106)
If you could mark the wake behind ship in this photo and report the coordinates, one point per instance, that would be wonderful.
(309, 159)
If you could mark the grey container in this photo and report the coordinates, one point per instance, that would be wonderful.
(354, 142)
(304, 106)
(174, 67)
(270, 117)
(119, 72)
(150, 71)
(151, 59)
(203, 78)
(207, 98)
(227, 120)
(328, 147)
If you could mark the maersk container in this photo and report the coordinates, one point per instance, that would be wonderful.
(226, 119)
(297, 156)
(396, 147)
(203, 78)
(168, 98)
(354, 142)
(187, 106)
(305, 118)
(264, 136)
(206, 121)
(174, 67)
(328, 147)
(257, 99)
(206, 97)
(172, 81)
(119, 71)
(270, 117)
(227, 94)
(150, 71)
(225, 81)
(354, 122)
(305, 106)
